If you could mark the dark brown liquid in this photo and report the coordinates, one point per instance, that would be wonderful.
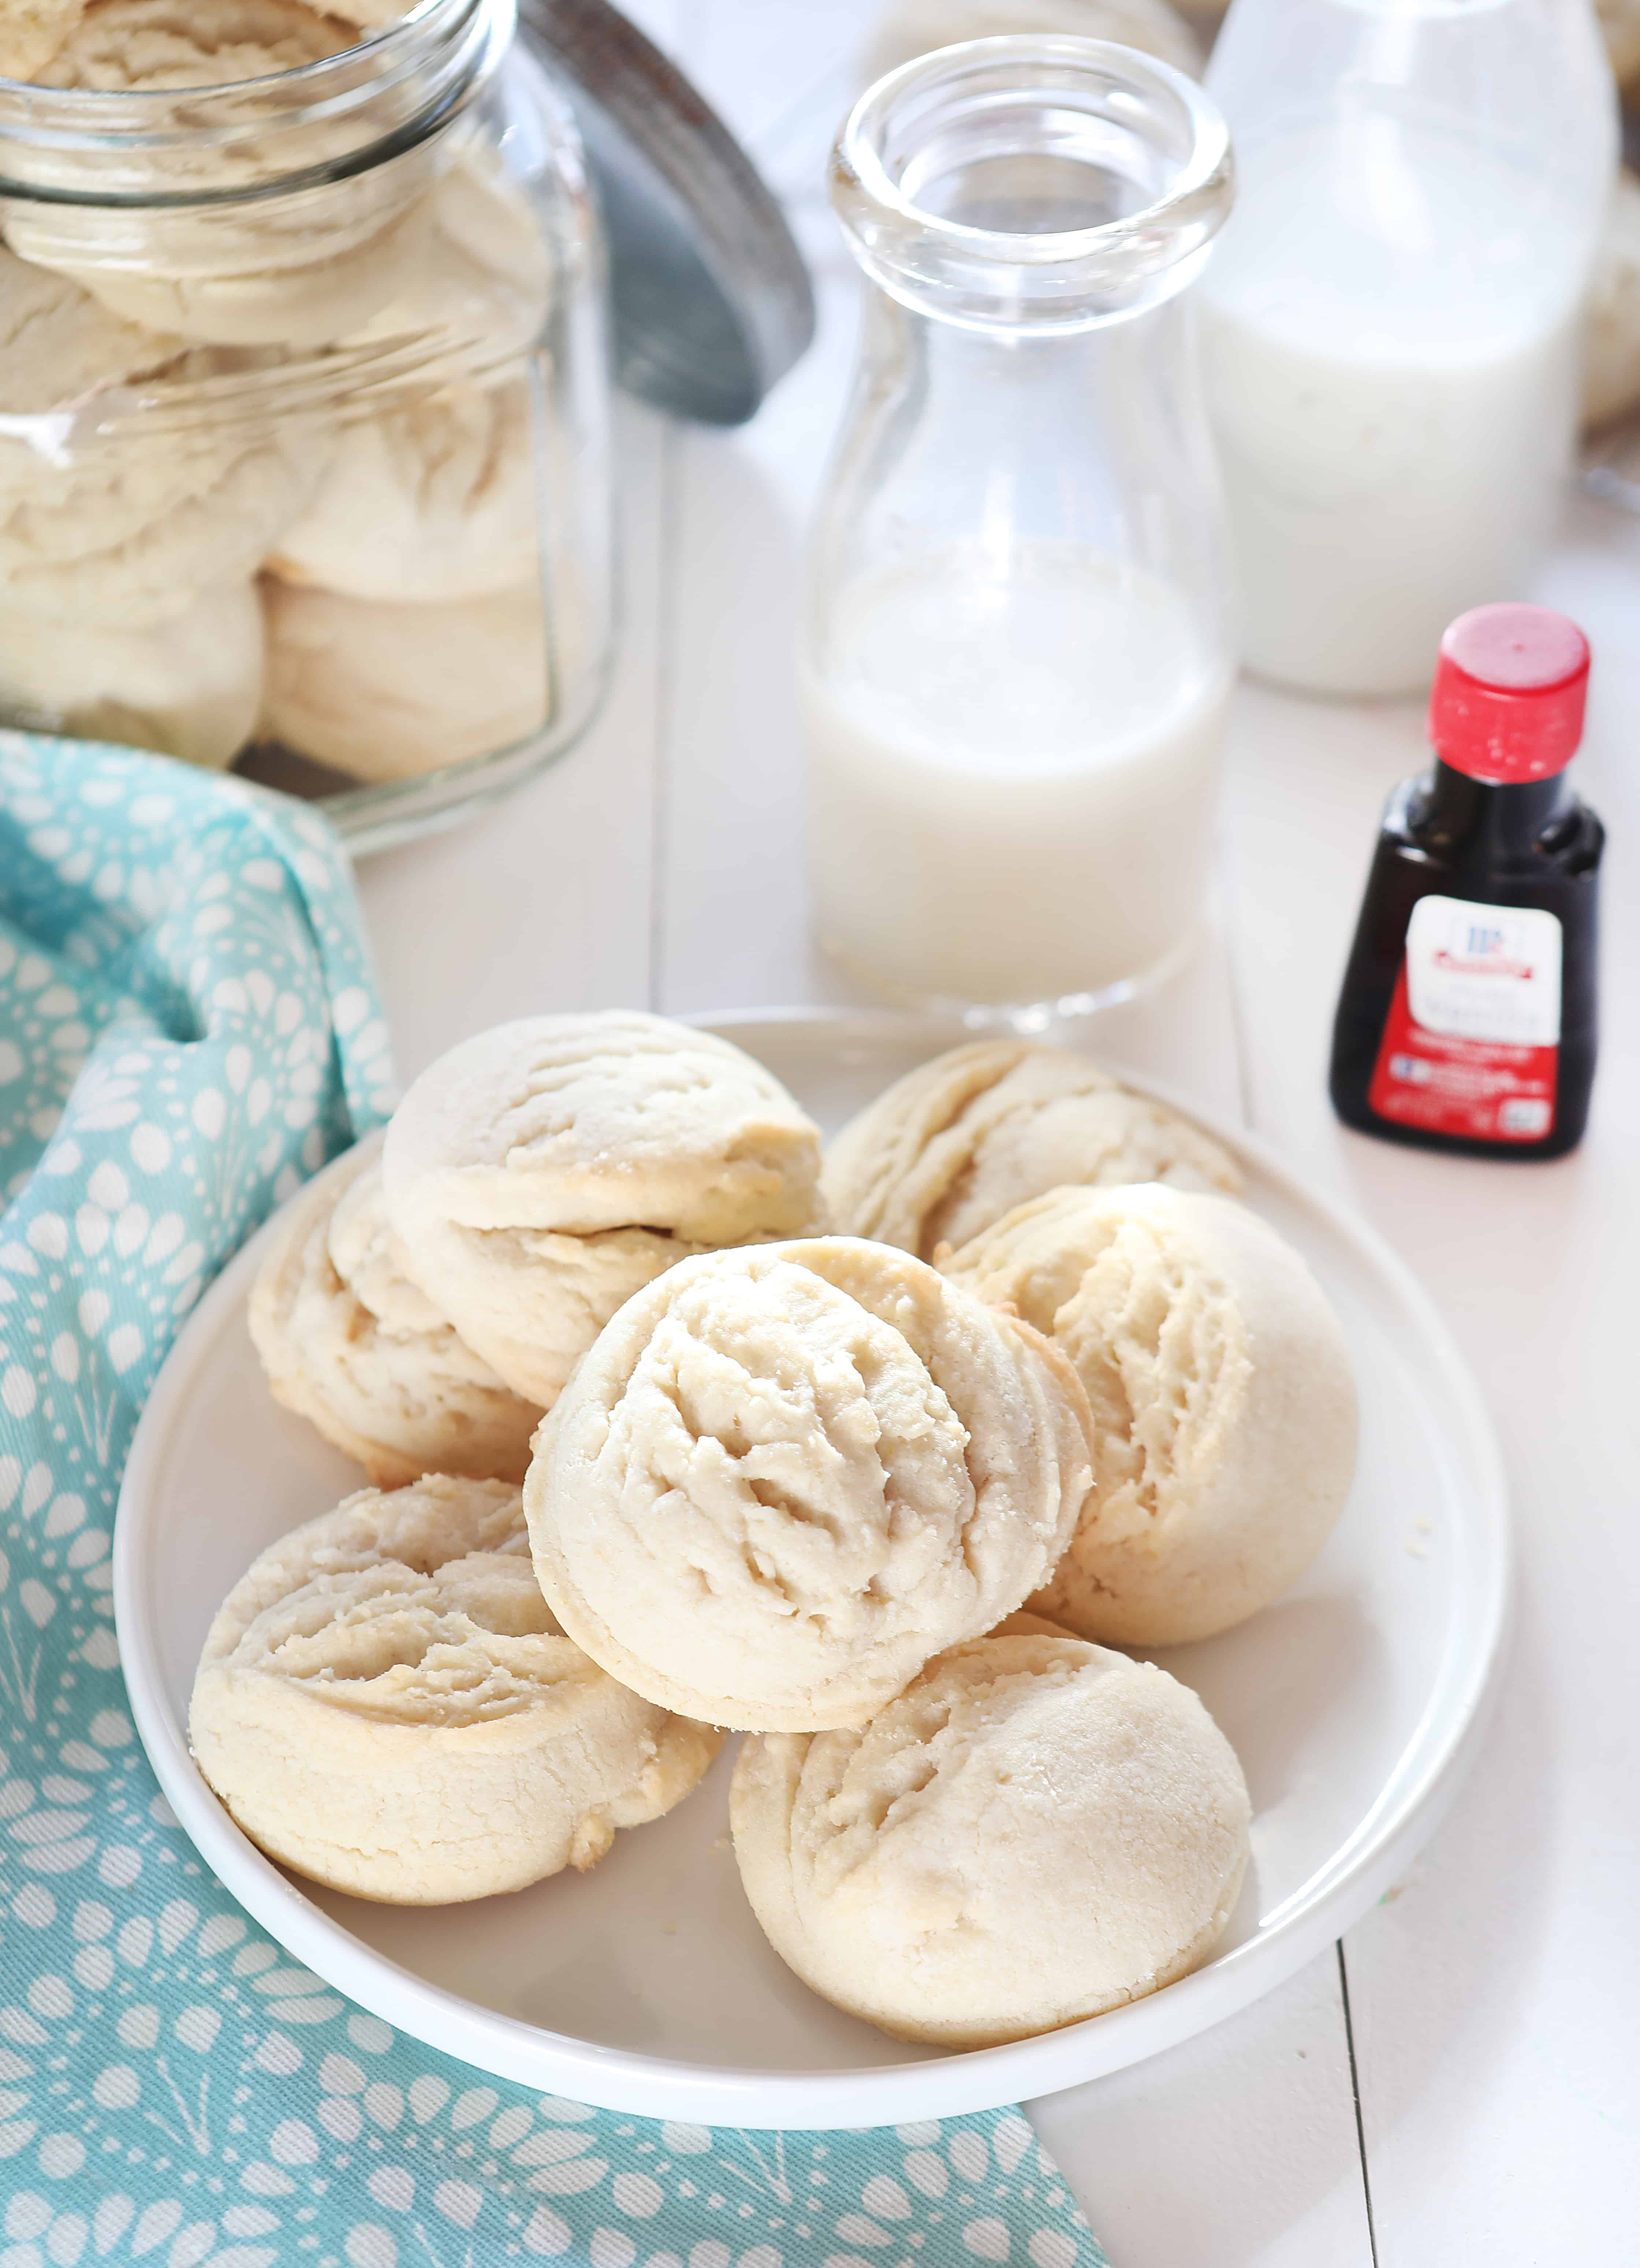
(1534, 844)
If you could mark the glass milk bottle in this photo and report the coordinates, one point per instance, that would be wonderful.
(1016, 653)
(1390, 333)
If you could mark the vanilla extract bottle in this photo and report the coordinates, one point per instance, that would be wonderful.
(1467, 1020)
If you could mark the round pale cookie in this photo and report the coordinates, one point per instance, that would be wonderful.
(59, 345)
(1034, 1831)
(481, 288)
(385, 1704)
(434, 501)
(32, 32)
(1611, 361)
(784, 1476)
(291, 269)
(350, 1344)
(1225, 1412)
(540, 1174)
(135, 526)
(147, 46)
(302, 286)
(190, 686)
(391, 692)
(949, 1148)
(914, 27)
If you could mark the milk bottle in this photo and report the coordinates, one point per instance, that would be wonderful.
(1016, 650)
(1390, 328)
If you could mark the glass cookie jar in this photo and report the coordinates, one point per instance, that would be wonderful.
(305, 390)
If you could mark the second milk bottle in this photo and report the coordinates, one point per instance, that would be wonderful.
(1016, 654)
(1391, 330)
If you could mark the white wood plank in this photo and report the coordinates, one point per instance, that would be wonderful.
(1494, 1997)
(734, 909)
(545, 901)
(1238, 2150)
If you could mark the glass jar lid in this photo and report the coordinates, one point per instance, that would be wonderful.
(712, 300)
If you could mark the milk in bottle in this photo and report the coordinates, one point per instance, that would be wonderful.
(1016, 648)
(1012, 782)
(1390, 327)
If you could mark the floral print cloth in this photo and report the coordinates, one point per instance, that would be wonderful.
(188, 1027)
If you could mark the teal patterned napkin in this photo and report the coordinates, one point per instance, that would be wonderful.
(188, 1027)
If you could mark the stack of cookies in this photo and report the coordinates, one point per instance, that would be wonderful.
(675, 1429)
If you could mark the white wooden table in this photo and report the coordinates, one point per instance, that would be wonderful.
(1457, 2083)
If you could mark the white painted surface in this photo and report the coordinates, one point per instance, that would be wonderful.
(1495, 1998)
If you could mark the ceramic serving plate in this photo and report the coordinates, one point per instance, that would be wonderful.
(645, 1985)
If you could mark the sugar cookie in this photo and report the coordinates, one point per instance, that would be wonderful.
(1224, 1416)
(144, 46)
(784, 1476)
(124, 537)
(348, 1342)
(385, 1704)
(389, 692)
(540, 1174)
(950, 1148)
(1034, 1831)
(190, 686)
(32, 32)
(430, 502)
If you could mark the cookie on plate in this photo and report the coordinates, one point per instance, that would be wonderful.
(786, 1475)
(1224, 1415)
(540, 1174)
(385, 1704)
(953, 1145)
(1034, 1831)
(348, 1342)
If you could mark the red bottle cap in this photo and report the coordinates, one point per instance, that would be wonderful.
(1509, 694)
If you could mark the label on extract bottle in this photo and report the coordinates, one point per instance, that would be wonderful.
(1472, 1043)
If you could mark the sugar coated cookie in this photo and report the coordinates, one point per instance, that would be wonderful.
(385, 1704)
(1034, 1831)
(1224, 1418)
(540, 1174)
(784, 1476)
(950, 1148)
(350, 1344)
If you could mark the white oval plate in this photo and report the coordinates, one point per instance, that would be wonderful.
(645, 1985)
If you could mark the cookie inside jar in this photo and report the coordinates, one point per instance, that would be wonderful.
(303, 396)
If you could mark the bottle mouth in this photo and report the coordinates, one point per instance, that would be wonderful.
(1033, 184)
